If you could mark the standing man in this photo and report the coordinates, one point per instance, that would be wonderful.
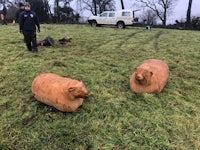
(28, 21)
(3, 15)
(21, 9)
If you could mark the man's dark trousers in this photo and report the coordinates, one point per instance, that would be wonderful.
(30, 37)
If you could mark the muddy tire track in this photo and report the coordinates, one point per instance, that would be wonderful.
(154, 38)
(127, 38)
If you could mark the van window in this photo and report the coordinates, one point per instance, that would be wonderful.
(126, 13)
(111, 14)
(103, 15)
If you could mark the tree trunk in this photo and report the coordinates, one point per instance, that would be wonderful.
(188, 17)
(57, 11)
(165, 17)
(122, 4)
(95, 7)
(47, 5)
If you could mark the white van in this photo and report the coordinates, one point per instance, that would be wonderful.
(121, 18)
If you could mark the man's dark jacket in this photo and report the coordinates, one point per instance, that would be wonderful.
(28, 21)
(18, 14)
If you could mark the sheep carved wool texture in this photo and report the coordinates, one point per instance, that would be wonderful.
(64, 94)
(150, 77)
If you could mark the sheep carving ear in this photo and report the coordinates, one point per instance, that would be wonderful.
(71, 89)
(151, 73)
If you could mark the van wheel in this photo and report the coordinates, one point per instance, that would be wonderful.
(120, 25)
(93, 24)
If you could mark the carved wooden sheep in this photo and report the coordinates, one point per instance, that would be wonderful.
(150, 77)
(64, 94)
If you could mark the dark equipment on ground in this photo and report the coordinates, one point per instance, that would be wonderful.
(64, 40)
(48, 41)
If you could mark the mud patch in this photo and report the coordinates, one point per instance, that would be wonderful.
(29, 120)
(59, 64)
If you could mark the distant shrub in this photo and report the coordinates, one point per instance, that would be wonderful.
(195, 23)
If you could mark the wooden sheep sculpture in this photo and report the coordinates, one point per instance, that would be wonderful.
(64, 94)
(150, 77)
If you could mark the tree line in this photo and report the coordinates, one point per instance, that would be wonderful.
(60, 11)
(162, 9)
(48, 11)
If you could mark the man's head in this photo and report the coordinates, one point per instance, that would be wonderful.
(21, 5)
(27, 6)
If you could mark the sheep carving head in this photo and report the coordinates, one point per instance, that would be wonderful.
(143, 77)
(78, 91)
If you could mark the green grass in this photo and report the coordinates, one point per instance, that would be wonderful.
(112, 117)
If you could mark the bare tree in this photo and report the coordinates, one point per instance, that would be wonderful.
(149, 17)
(188, 16)
(98, 6)
(6, 2)
(162, 8)
(56, 7)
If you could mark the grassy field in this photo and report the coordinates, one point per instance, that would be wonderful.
(112, 117)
